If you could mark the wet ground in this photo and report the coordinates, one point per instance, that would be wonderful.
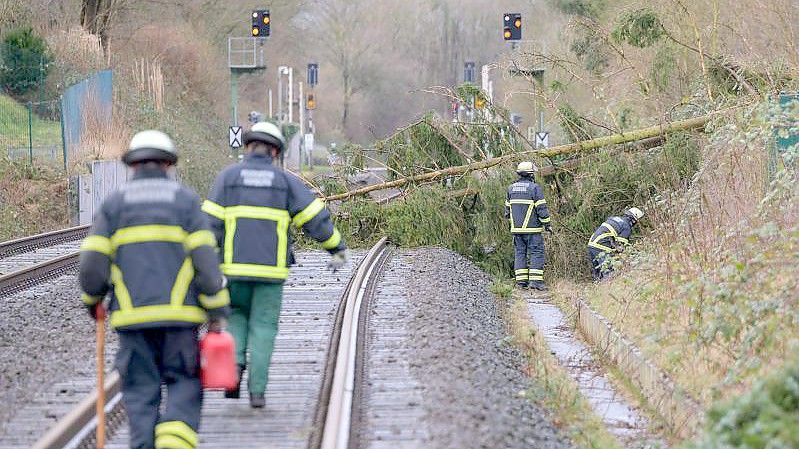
(616, 411)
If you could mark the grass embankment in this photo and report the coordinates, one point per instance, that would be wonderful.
(710, 295)
(14, 132)
(32, 200)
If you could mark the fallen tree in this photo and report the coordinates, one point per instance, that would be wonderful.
(577, 147)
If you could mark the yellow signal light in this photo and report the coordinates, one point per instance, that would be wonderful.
(518, 23)
(266, 20)
(507, 34)
(255, 31)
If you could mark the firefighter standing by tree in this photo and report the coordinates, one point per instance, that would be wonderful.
(609, 238)
(529, 217)
(251, 206)
(151, 247)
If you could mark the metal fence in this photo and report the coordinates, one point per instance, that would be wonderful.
(90, 99)
(31, 131)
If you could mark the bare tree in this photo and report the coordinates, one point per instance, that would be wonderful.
(97, 15)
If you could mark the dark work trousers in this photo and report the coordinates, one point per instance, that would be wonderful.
(600, 263)
(529, 262)
(148, 358)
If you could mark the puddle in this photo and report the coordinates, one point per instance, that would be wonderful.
(620, 417)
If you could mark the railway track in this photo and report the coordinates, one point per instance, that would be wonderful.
(32, 260)
(314, 377)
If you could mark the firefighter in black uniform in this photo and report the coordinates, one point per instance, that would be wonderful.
(527, 211)
(151, 248)
(251, 206)
(609, 239)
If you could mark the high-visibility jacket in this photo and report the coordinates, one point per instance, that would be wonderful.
(251, 207)
(612, 234)
(526, 207)
(150, 244)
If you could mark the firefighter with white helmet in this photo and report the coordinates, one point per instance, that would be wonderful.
(151, 248)
(610, 238)
(251, 206)
(527, 211)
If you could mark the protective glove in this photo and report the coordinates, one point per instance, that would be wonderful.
(217, 324)
(337, 260)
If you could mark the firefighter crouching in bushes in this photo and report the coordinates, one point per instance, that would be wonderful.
(151, 247)
(529, 217)
(609, 238)
(251, 206)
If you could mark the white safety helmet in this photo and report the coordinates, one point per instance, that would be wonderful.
(150, 145)
(526, 168)
(265, 132)
(634, 213)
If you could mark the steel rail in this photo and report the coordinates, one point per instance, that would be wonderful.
(338, 416)
(75, 429)
(30, 243)
(36, 274)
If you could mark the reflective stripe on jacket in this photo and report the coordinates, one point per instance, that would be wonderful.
(611, 234)
(150, 243)
(527, 207)
(251, 206)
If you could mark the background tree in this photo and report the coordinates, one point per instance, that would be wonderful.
(25, 61)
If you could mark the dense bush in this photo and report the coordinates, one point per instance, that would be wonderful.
(767, 417)
(25, 61)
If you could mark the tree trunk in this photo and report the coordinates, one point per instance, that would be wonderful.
(94, 18)
(577, 147)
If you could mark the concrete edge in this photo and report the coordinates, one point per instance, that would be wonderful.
(680, 412)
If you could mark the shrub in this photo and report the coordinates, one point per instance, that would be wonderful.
(25, 61)
(765, 417)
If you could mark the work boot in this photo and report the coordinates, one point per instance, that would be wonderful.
(257, 400)
(236, 393)
(539, 286)
(522, 284)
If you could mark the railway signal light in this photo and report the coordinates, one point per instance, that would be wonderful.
(512, 26)
(310, 103)
(261, 23)
(469, 72)
(313, 74)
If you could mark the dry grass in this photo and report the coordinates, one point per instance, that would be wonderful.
(77, 50)
(710, 296)
(32, 200)
(102, 137)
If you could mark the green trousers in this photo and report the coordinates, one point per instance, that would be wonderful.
(253, 323)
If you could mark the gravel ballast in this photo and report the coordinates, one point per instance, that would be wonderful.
(46, 338)
(472, 377)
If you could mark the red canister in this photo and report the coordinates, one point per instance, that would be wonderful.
(218, 361)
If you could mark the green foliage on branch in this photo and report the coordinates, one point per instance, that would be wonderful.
(574, 126)
(641, 28)
(583, 8)
(590, 48)
(766, 417)
(25, 61)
